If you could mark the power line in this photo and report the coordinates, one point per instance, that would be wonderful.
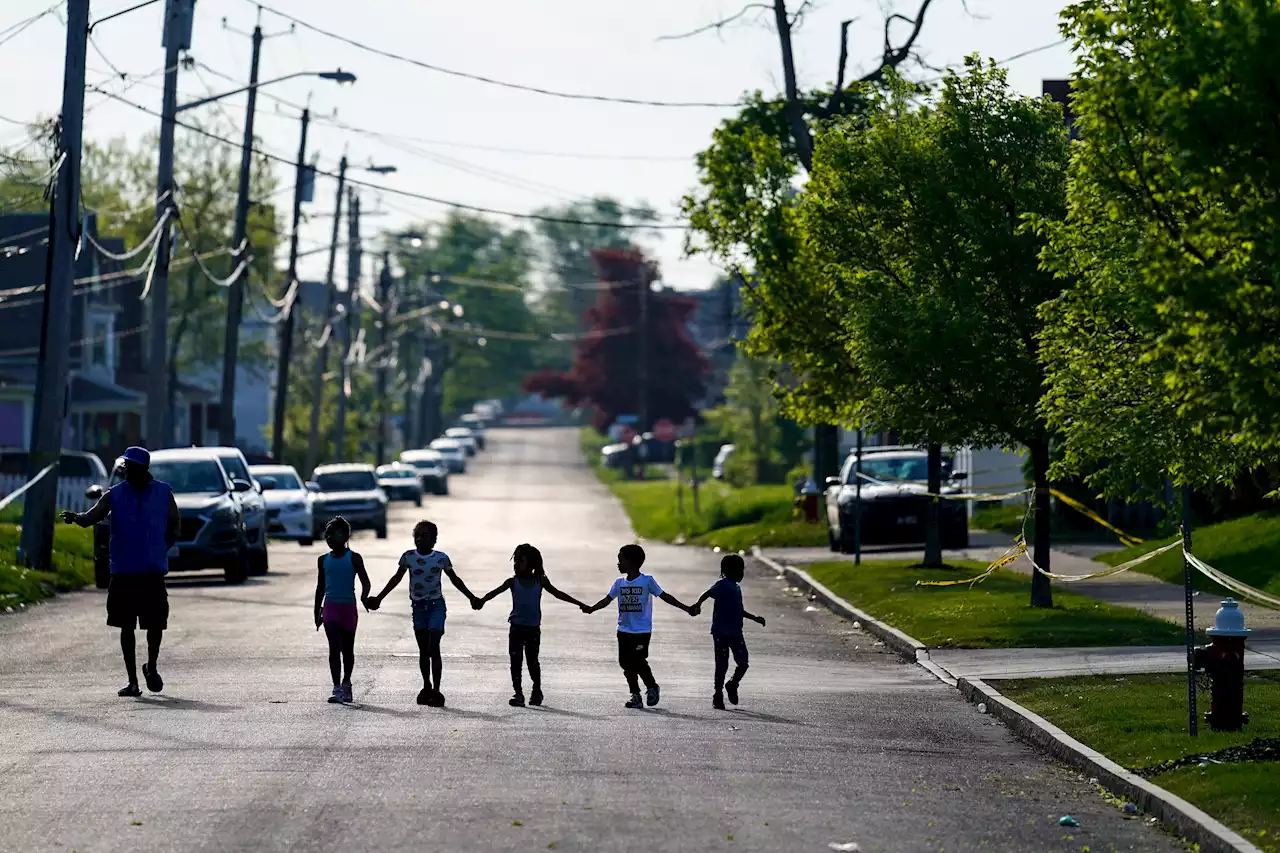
(17, 29)
(409, 193)
(574, 96)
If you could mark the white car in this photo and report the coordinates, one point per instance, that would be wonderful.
(289, 513)
(717, 467)
(476, 424)
(432, 469)
(455, 455)
(465, 437)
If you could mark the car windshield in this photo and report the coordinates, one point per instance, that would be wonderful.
(397, 474)
(424, 461)
(284, 481)
(459, 432)
(235, 467)
(899, 469)
(448, 446)
(190, 476)
(347, 481)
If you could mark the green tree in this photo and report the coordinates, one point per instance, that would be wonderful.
(767, 445)
(916, 217)
(1162, 357)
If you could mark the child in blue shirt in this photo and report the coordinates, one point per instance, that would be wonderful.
(726, 627)
(526, 585)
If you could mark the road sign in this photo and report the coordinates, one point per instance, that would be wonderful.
(664, 430)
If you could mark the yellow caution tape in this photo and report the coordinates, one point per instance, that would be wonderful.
(1107, 572)
(1015, 551)
(1125, 538)
(1240, 588)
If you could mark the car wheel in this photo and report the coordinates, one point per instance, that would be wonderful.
(847, 545)
(381, 532)
(259, 562)
(832, 542)
(417, 501)
(306, 542)
(101, 573)
(238, 570)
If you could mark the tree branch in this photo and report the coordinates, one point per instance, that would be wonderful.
(834, 104)
(720, 24)
(795, 110)
(890, 58)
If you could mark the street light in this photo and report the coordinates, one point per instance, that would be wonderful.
(341, 77)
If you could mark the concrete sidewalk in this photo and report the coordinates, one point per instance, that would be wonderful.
(1127, 589)
(989, 664)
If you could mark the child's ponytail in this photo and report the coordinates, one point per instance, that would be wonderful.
(532, 558)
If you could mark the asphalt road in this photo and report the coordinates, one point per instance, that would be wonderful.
(836, 742)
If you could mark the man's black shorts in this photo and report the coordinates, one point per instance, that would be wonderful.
(138, 600)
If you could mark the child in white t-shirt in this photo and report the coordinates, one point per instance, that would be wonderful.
(635, 593)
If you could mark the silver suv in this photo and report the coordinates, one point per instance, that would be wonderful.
(351, 491)
(255, 506)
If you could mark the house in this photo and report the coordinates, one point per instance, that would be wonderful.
(103, 416)
(717, 325)
(109, 324)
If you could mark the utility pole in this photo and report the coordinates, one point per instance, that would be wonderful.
(643, 330)
(322, 357)
(410, 360)
(285, 346)
(857, 503)
(52, 388)
(235, 296)
(384, 300)
(349, 305)
(177, 37)
(1193, 724)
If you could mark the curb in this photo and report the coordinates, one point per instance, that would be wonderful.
(1194, 824)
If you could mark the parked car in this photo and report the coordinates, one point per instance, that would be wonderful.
(894, 500)
(615, 455)
(465, 437)
(650, 449)
(478, 428)
(400, 483)
(433, 470)
(212, 533)
(717, 465)
(288, 503)
(72, 464)
(455, 455)
(351, 491)
(255, 506)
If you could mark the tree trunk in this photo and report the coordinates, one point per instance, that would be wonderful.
(1041, 592)
(932, 533)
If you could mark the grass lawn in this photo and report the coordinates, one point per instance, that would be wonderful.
(1244, 548)
(991, 614)
(1140, 720)
(1008, 519)
(728, 518)
(72, 564)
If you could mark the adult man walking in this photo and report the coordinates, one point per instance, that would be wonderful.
(144, 526)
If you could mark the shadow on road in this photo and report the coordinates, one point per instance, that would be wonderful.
(179, 704)
(380, 709)
(544, 709)
(766, 718)
(474, 715)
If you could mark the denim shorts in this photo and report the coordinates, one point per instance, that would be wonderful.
(429, 615)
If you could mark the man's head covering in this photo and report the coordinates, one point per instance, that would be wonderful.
(138, 456)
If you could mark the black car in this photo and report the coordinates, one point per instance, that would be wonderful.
(212, 533)
(894, 500)
(401, 483)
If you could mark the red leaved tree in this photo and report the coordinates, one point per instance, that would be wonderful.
(606, 372)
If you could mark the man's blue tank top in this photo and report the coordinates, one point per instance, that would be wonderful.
(139, 520)
(339, 579)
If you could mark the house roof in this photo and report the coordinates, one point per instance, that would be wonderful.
(90, 391)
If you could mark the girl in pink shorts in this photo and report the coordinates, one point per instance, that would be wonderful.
(336, 603)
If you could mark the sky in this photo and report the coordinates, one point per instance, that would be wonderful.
(477, 143)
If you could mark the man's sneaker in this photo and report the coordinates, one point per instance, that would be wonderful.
(635, 701)
(436, 700)
(130, 689)
(154, 682)
(516, 700)
(335, 698)
(731, 690)
(346, 693)
(535, 698)
(424, 696)
(717, 702)
(653, 695)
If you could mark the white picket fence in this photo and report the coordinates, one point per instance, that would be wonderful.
(70, 490)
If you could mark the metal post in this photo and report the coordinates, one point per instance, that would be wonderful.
(326, 319)
(696, 510)
(285, 347)
(349, 306)
(1193, 724)
(384, 300)
(411, 362)
(158, 427)
(51, 392)
(857, 502)
(643, 295)
(235, 295)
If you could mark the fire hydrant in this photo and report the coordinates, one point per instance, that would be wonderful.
(1223, 659)
(807, 499)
